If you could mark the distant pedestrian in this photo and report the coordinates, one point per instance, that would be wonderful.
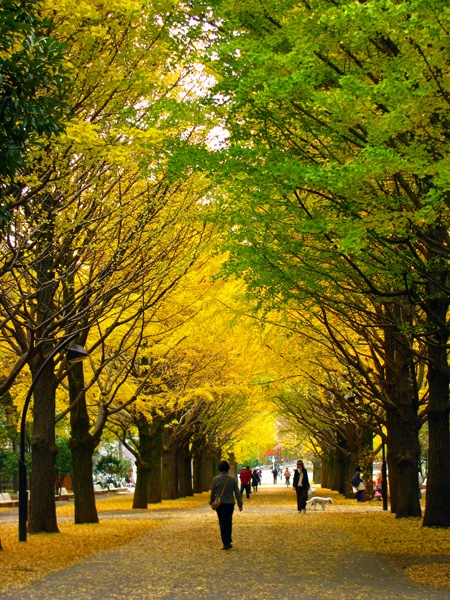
(301, 486)
(358, 484)
(258, 470)
(227, 488)
(275, 474)
(246, 477)
(255, 479)
(287, 477)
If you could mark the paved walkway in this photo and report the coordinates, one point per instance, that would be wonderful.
(278, 554)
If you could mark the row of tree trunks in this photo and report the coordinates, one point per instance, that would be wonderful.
(336, 468)
(178, 479)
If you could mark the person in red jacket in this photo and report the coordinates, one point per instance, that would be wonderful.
(246, 477)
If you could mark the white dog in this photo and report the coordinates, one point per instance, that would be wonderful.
(319, 501)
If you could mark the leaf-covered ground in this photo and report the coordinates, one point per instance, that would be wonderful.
(173, 552)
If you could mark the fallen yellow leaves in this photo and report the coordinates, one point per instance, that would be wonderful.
(21, 562)
(43, 553)
(123, 503)
(433, 574)
(268, 525)
(383, 533)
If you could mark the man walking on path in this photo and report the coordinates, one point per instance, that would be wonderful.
(226, 488)
(246, 477)
(301, 486)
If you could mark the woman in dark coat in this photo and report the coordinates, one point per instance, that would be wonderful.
(255, 480)
(301, 486)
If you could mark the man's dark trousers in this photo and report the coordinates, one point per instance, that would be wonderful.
(246, 487)
(225, 514)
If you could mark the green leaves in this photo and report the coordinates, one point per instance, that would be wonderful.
(32, 85)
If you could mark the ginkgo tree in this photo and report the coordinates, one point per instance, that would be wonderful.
(336, 170)
(102, 227)
(203, 393)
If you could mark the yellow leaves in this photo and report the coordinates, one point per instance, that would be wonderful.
(82, 134)
(434, 574)
(89, 9)
(147, 136)
(257, 434)
(120, 148)
(182, 548)
(123, 503)
(43, 553)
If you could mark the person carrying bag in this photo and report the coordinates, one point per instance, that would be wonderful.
(215, 505)
(224, 491)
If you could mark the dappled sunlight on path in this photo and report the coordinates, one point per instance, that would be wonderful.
(277, 554)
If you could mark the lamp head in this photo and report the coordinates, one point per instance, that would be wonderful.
(76, 353)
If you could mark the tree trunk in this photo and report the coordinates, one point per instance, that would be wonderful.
(366, 461)
(324, 481)
(82, 447)
(402, 422)
(207, 473)
(188, 473)
(437, 510)
(317, 470)
(215, 458)
(169, 480)
(336, 483)
(198, 467)
(154, 460)
(392, 427)
(350, 467)
(140, 498)
(330, 469)
(183, 484)
(233, 466)
(343, 462)
(408, 503)
(42, 517)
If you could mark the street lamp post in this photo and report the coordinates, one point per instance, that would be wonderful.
(74, 354)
